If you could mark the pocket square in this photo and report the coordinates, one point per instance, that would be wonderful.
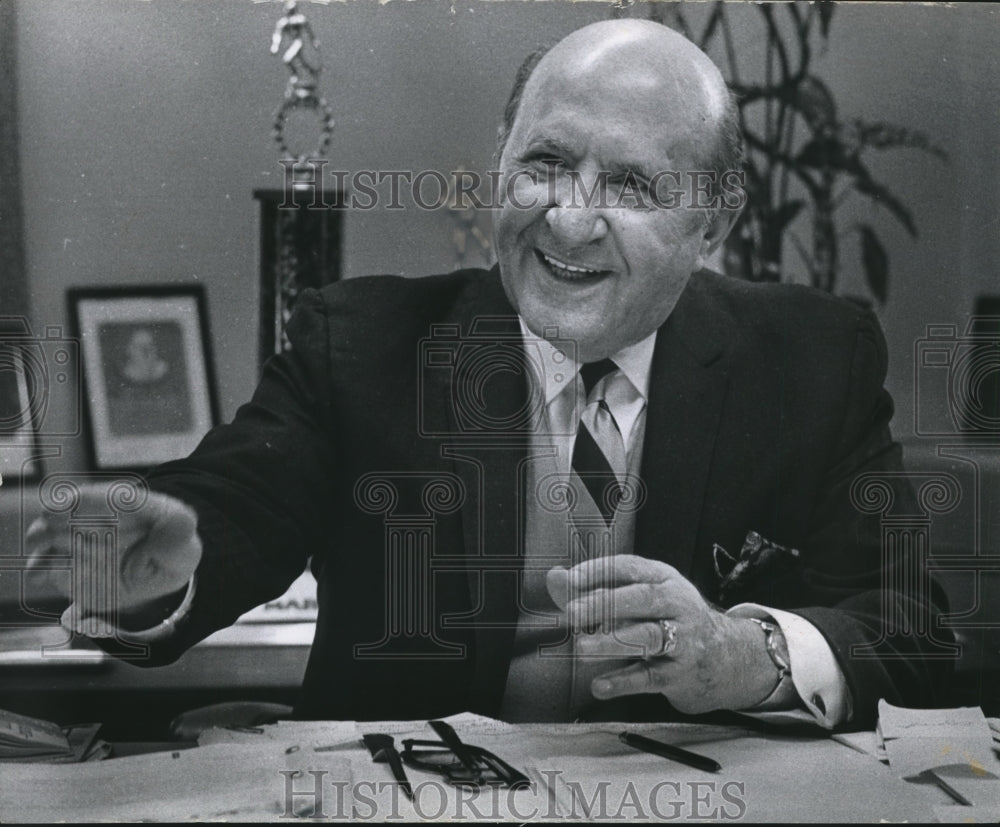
(758, 556)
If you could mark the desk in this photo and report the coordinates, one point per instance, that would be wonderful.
(137, 703)
(586, 774)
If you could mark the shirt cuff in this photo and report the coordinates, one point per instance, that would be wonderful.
(96, 627)
(818, 680)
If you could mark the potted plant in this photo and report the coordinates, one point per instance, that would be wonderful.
(802, 157)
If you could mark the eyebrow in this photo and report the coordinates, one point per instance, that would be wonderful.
(637, 168)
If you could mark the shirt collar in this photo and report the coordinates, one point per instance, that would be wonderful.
(556, 367)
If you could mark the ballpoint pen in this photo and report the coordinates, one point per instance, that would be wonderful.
(934, 778)
(383, 749)
(669, 751)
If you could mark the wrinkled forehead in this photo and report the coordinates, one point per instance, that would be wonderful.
(626, 95)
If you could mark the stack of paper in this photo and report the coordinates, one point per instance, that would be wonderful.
(922, 739)
(954, 748)
(31, 740)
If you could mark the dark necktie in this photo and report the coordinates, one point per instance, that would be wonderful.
(597, 439)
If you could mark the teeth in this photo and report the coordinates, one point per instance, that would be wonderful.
(563, 266)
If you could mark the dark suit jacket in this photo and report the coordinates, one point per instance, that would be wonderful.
(765, 403)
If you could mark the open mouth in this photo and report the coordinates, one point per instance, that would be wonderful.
(569, 272)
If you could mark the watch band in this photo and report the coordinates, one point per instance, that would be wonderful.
(781, 664)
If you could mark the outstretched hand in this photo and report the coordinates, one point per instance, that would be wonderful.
(158, 550)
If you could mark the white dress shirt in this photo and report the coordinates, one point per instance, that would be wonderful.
(816, 677)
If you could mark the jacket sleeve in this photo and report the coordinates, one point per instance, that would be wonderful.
(880, 611)
(261, 486)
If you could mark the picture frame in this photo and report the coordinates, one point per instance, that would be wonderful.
(19, 459)
(149, 383)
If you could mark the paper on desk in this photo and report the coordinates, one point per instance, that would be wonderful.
(763, 775)
(224, 781)
(864, 742)
(473, 725)
(922, 739)
(898, 721)
(465, 722)
(305, 734)
(967, 815)
(763, 779)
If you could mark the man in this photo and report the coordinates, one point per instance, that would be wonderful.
(464, 557)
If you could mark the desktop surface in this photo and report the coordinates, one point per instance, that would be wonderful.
(577, 771)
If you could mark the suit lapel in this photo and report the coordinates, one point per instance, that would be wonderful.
(487, 388)
(688, 383)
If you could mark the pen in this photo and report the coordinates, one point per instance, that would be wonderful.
(930, 775)
(683, 756)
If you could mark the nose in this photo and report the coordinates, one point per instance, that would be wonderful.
(576, 224)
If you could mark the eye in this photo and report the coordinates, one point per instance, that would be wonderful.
(631, 190)
(630, 181)
(544, 160)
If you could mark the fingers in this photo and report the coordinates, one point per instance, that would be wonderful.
(47, 567)
(167, 554)
(47, 564)
(39, 543)
(618, 570)
(639, 601)
(557, 584)
(634, 640)
(606, 591)
(158, 546)
(38, 529)
(590, 578)
(638, 678)
(171, 521)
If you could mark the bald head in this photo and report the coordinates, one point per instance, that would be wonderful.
(626, 58)
(650, 55)
(601, 127)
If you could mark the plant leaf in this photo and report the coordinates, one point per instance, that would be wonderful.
(669, 14)
(825, 14)
(814, 100)
(710, 27)
(875, 260)
(880, 135)
(807, 95)
(751, 92)
(867, 185)
(828, 152)
(785, 213)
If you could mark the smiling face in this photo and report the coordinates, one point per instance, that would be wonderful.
(608, 107)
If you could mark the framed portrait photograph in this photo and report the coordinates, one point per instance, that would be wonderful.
(147, 369)
(18, 434)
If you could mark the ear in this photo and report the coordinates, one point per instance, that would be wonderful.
(719, 224)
